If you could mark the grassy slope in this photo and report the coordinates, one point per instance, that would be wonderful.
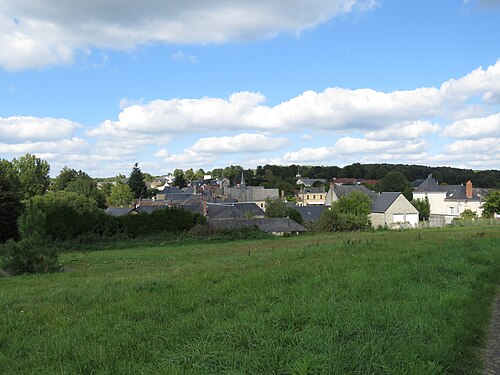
(413, 302)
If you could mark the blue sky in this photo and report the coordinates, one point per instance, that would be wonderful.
(99, 86)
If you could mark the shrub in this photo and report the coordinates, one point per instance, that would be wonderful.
(30, 254)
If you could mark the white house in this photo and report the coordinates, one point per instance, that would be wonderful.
(448, 201)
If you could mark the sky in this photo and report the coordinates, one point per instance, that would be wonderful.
(101, 85)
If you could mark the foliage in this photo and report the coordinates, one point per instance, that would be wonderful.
(10, 204)
(87, 187)
(65, 177)
(136, 182)
(90, 224)
(492, 203)
(33, 175)
(121, 196)
(356, 203)
(278, 208)
(64, 207)
(468, 214)
(396, 181)
(349, 213)
(424, 208)
(180, 179)
(31, 254)
(150, 193)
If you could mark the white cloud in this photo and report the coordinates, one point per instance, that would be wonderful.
(485, 146)
(36, 33)
(411, 130)
(187, 159)
(474, 128)
(240, 143)
(334, 109)
(60, 147)
(26, 128)
(352, 146)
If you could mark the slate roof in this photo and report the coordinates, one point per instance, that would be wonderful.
(269, 225)
(453, 192)
(119, 211)
(310, 181)
(417, 183)
(384, 201)
(251, 193)
(429, 185)
(149, 209)
(343, 190)
(310, 213)
(314, 190)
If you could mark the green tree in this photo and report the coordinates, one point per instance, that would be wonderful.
(33, 175)
(180, 179)
(189, 174)
(136, 182)
(349, 213)
(424, 208)
(468, 214)
(275, 208)
(87, 187)
(396, 181)
(10, 204)
(65, 177)
(492, 203)
(278, 208)
(31, 254)
(200, 174)
(216, 173)
(121, 196)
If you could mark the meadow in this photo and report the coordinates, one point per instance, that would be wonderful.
(409, 302)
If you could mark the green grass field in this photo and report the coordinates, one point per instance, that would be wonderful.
(414, 302)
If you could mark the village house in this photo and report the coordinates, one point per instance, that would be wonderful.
(311, 196)
(256, 194)
(448, 201)
(393, 210)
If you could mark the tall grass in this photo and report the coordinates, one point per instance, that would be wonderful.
(411, 302)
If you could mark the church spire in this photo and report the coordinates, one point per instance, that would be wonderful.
(242, 183)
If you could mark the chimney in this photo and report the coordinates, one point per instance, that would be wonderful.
(194, 189)
(468, 189)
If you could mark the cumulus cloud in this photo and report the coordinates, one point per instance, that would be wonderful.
(336, 109)
(36, 33)
(26, 128)
(485, 146)
(352, 146)
(411, 130)
(239, 144)
(61, 147)
(474, 128)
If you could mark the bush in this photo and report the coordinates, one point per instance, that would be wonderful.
(347, 214)
(30, 254)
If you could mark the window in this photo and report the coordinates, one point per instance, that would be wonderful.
(452, 210)
(307, 196)
(314, 196)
